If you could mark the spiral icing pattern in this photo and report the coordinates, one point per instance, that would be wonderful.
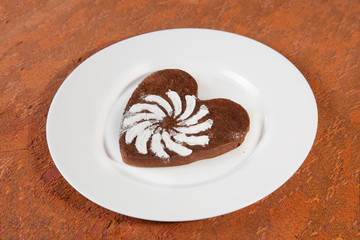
(144, 123)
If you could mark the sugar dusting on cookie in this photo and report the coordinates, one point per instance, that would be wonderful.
(143, 119)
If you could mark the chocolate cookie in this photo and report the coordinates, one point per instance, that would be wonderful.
(165, 124)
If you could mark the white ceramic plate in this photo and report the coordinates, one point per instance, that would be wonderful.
(84, 119)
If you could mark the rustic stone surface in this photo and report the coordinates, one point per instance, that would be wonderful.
(41, 42)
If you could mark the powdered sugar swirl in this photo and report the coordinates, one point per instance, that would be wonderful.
(144, 122)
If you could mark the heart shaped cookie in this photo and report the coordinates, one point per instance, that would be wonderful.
(165, 124)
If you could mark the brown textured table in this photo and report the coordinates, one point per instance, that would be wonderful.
(41, 42)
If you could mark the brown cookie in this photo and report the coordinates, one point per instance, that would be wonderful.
(165, 124)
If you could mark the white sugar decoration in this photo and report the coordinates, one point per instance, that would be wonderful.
(157, 147)
(161, 101)
(144, 121)
(192, 140)
(203, 111)
(196, 128)
(176, 101)
(142, 140)
(135, 130)
(175, 147)
(139, 107)
(190, 106)
(130, 120)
